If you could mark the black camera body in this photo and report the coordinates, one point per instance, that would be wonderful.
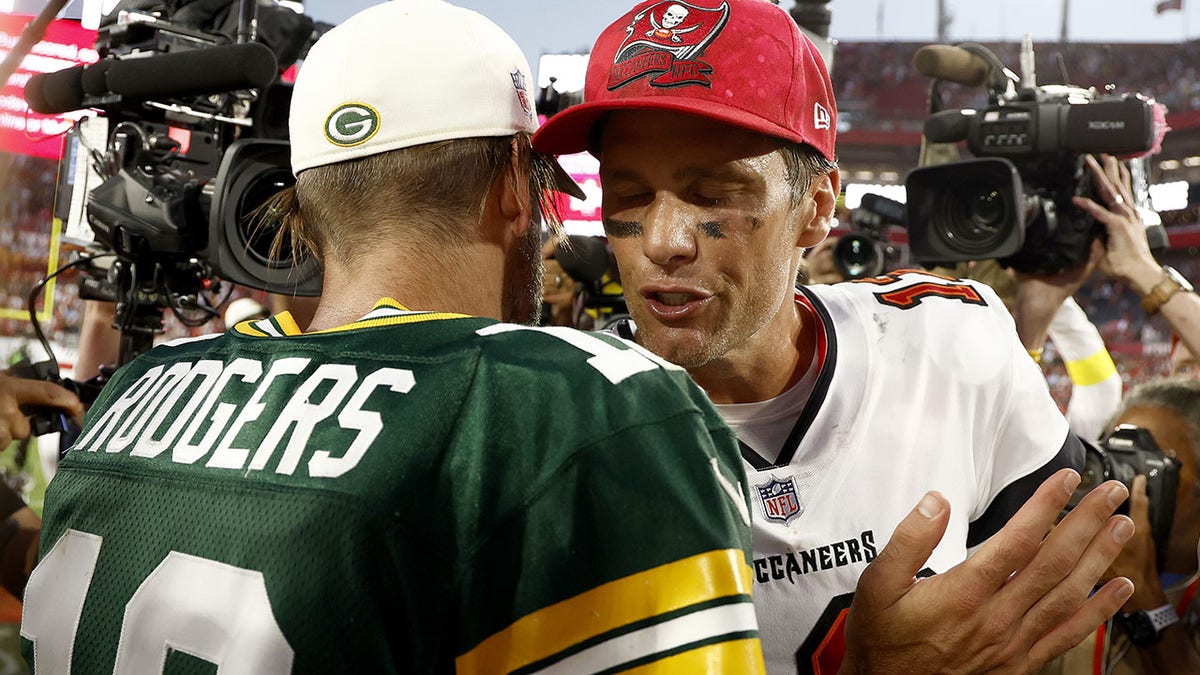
(177, 161)
(193, 113)
(1013, 201)
(867, 251)
(587, 260)
(1127, 452)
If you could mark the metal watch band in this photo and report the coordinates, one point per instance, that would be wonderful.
(1163, 291)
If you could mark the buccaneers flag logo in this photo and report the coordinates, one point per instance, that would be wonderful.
(665, 40)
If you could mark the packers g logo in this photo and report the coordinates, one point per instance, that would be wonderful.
(351, 124)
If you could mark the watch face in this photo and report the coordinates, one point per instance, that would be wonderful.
(1139, 627)
(1178, 278)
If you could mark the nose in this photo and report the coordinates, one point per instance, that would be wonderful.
(668, 238)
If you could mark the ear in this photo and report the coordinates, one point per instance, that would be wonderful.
(823, 194)
(514, 202)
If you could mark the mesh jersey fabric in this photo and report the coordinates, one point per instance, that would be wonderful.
(922, 385)
(416, 493)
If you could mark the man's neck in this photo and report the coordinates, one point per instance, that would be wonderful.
(464, 282)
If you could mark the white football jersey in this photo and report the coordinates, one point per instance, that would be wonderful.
(920, 383)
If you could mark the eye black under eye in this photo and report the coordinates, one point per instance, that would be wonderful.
(622, 228)
(712, 229)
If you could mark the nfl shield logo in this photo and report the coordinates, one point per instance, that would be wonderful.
(779, 499)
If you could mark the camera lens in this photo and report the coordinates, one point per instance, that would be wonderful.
(857, 256)
(975, 217)
(259, 229)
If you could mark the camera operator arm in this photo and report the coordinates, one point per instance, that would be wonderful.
(1127, 255)
(1095, 382)
(1039, 297)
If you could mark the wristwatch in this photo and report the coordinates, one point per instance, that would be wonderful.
(1173, 282)
(1144, 627)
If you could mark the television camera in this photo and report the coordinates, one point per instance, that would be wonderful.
(587, 260)
(189, 139)
(866, 251)
(1012, 201)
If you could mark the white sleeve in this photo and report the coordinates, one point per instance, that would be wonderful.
(1096, 384)
(1030, 439)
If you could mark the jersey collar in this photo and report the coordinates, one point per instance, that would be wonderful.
(386, 312)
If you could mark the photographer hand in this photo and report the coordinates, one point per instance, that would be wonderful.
(16, 392)
(1021, 600)
(1127, 254)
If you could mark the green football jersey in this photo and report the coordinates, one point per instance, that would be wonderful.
(415, 492)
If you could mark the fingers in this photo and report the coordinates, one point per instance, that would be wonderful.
(1139, 503)
(1018, 541)
(1096, 610)
(1064, 597)
(13, 425)
(1075, 554)
(893, 570)
(16, 392)
(38, 392)
(1112, 181)
(1125, 182)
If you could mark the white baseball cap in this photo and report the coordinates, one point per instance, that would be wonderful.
(405, 73)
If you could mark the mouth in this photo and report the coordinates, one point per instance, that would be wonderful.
(668, 304)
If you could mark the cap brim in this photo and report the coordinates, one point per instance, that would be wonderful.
(570, 131)
(563, 181)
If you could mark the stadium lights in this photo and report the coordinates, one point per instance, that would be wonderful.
(855, 192)
(1169, 196)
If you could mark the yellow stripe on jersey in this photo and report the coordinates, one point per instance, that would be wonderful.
(247, 328)
(550, 630)
(287, 323)
(736, 656)
(1091, 370)
(393, 320)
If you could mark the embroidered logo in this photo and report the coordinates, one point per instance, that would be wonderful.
(665, 40)
(821, 116)
(351, 124)
(780, 502)
(518, 80)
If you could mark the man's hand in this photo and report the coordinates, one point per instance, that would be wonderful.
(1138, 561)
(16, 392)
(1127, 255)
(1021, 600)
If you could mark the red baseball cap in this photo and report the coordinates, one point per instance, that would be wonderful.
(741, 62)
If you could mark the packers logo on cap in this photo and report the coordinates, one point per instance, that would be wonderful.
(351, 124)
